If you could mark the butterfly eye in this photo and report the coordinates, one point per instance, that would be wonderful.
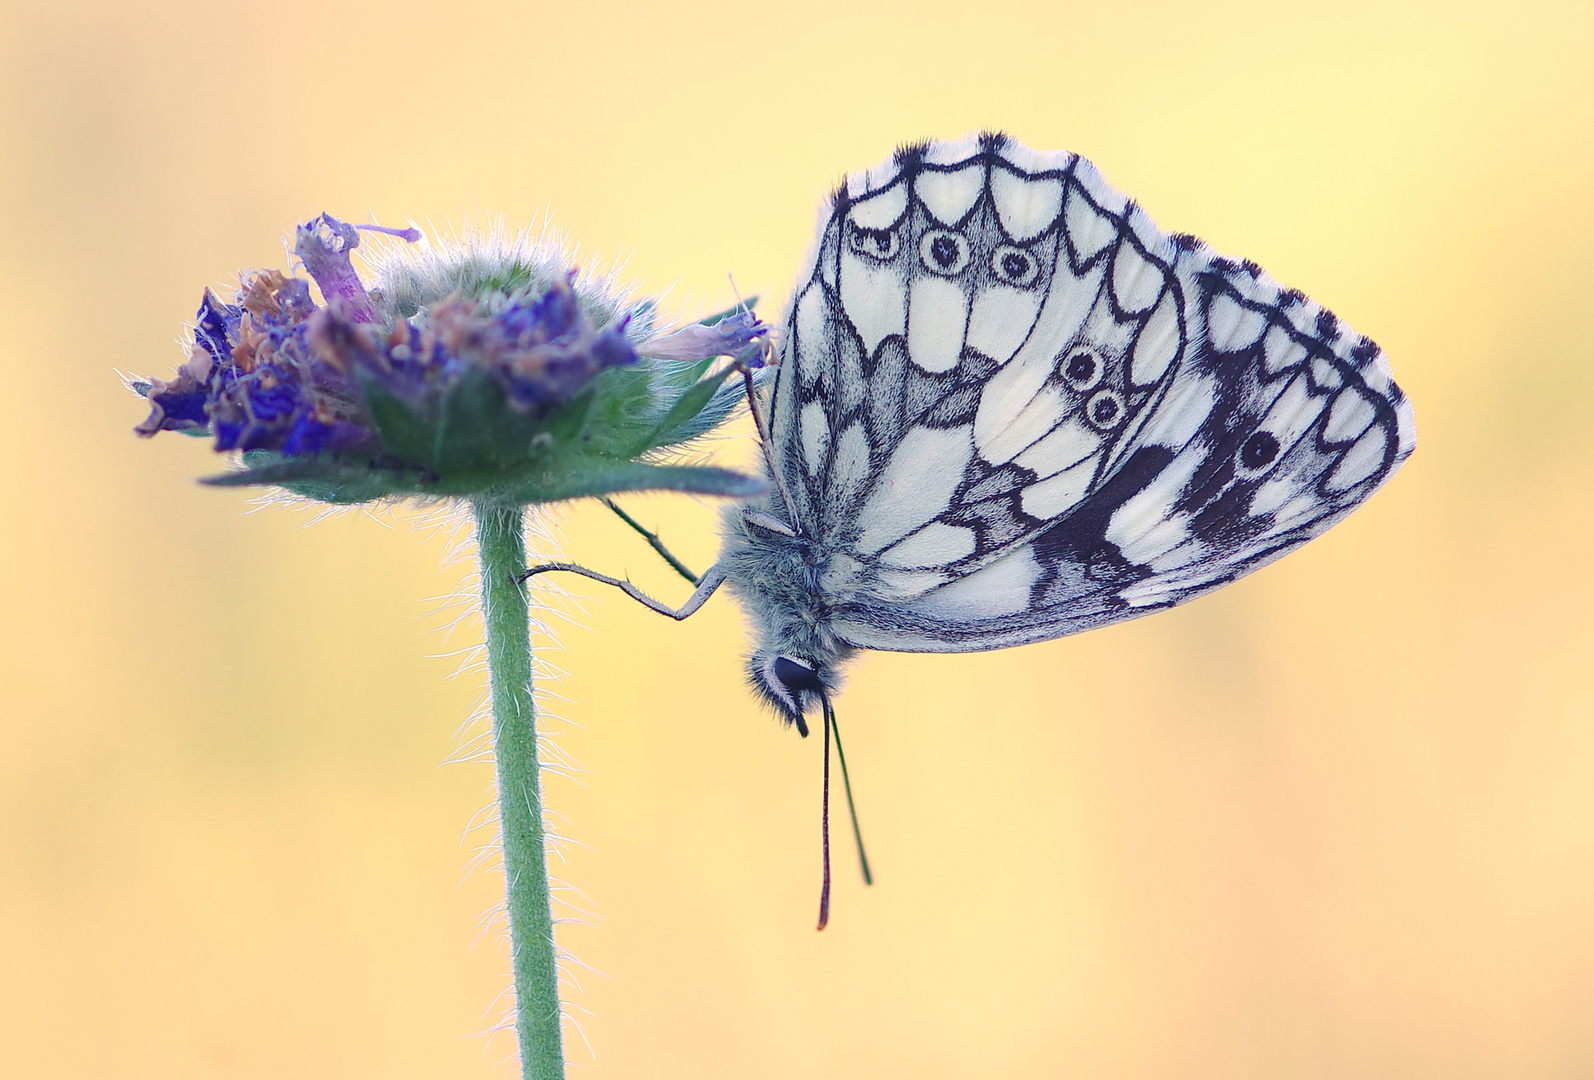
(943, 252)
(1259, 450)
(1015, 266)
(796, 677)
(1104, 409)
(1082, 368)
(875, 243)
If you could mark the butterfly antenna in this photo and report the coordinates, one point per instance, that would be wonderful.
(738, 293)
(762, 427)
(846, 783)
(763, 440)
(824, 825)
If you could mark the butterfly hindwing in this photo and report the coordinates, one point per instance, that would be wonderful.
(1011, 408)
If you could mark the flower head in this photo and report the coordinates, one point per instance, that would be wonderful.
(487, 369)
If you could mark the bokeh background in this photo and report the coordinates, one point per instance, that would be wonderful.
(1337, 820)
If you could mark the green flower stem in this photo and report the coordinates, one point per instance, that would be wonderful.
(501, 546)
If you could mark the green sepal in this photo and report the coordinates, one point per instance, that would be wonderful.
(478, 428)
(624, 408)
(685, 408)
(322, 479)
(566, 423)
(551, 478)
(405, 432)
(717, 410)
(608, 478)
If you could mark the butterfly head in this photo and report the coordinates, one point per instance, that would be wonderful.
(790, 685)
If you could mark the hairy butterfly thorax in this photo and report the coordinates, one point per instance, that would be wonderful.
(782, 583)
(1008, 407)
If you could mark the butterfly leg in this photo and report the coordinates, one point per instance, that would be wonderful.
(653, 542)
(711, 580)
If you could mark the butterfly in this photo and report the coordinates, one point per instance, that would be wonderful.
(1008, 407)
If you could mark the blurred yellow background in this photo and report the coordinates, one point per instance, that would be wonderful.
(1334, 821)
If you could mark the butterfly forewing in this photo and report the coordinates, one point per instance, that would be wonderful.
(1011, 408)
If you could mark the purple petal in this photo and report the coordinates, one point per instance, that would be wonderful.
(727, 337)
(324, 244)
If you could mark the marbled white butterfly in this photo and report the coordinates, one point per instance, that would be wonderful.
(1008, 408)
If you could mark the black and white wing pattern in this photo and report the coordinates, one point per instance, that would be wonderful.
(1010, 408)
